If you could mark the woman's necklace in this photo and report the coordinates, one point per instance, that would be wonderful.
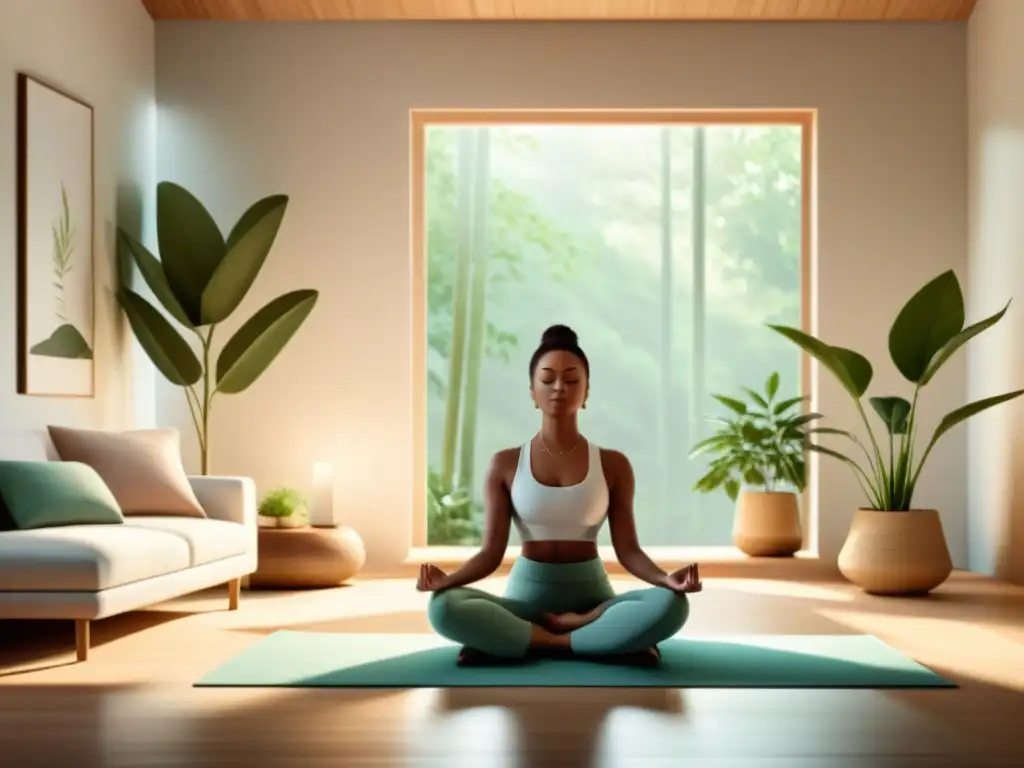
(560, 453)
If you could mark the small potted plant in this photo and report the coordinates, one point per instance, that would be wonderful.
(894, 547)
(760, 461)
(283, 508)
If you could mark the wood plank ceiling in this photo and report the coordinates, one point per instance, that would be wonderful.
(560, 10)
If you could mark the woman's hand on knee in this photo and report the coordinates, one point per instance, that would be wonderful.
(431, 578)
(685, 580)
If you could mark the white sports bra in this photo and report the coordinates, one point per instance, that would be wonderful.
(550, 513)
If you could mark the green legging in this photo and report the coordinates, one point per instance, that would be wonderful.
(501, 626)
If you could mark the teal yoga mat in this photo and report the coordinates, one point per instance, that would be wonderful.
(322, 660)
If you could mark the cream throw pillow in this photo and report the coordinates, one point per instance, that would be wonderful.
(142, 468)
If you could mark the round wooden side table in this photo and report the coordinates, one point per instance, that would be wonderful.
(307, 557)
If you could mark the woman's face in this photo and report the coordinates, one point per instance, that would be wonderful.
(559, 384)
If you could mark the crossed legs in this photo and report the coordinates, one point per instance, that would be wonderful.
(509, 628)
(498, 626)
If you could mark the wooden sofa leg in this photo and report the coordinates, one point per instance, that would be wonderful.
(234, 590)
(82, 638)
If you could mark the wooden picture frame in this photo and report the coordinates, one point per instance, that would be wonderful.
(56, 297)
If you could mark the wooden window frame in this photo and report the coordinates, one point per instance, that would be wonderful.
(421, 119)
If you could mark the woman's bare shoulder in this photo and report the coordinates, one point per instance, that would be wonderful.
(505, 462)
(614, 459)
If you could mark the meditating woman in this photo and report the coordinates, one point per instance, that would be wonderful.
(558, 489)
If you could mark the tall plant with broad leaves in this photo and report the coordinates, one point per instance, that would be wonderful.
(761, 444)
(927, 332)
(200, 279)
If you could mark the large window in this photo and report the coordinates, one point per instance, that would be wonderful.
(667, 244)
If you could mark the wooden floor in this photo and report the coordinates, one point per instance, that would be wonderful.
(132, 703)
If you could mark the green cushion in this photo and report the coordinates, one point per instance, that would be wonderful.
(43, 494)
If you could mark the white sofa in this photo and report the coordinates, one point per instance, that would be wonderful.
(88, 572)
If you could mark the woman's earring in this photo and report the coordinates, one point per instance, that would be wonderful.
(535, 405)
(584, 404)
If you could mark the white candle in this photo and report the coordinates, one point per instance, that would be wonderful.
(321, 508)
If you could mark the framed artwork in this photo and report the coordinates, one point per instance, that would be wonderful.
(56, 310)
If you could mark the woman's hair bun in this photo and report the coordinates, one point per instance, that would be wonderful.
(560, 334)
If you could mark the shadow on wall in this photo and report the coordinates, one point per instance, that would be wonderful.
(128, 216)
(128, 213)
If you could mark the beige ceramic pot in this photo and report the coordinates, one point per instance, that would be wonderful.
(294, 520)
(767, 524)
(896, 553)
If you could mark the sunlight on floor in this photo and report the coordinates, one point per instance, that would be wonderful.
(225, 701)
(465, 737)
(799, 591)
(138, 723)
(290, 613)
(962, 648)
(134, 701)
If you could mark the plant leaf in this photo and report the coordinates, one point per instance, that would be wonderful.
(965, 412)
(715, 442)
(857, 366)
(170, 353)
(754, 476)
(803, 419)
(829, 431)
(732, 488)
(793, 470)
(958, 341)
(247, 248)
(732, 403)
(712, 480)
(254, 346)
(797, 473)
(785, 405)
(834, 359)
(928, 321)
(191, 246)
(755, 434)
(756, 397)
(771, 386)
(833, 453)
(153, 273)
(894, 412)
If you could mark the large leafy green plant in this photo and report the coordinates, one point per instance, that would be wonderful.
(200, 279)
(761, 444)
(925, 335)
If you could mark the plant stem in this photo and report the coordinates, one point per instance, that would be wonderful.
(892, 463)
(879, 464)
(204, 444)
(872, 497)
(907, 492)
(920, 466)
(875, 494)
(194, 409)
(864, 450)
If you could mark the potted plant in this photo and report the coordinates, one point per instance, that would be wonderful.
(893, 547)
(760, 463)
(200, 279)
(283, 508)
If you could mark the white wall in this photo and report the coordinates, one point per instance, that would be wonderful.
(101, 51)
(996, 360)
(320, 111)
